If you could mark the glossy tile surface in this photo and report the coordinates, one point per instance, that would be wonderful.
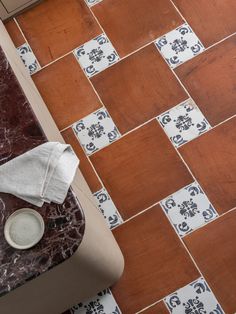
(134, 169)
(211, 20)
(148, 274)
(210, 79)
(56, 27)
(138, 88)
(194, 298)
(85, 166)
(96, 131)
(212, 159)
(132, 24)
(188, 209)
(183, 123)
(179, 45)
(66, 91)
(213, 248)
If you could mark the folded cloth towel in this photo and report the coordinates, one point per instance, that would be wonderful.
(43, 174)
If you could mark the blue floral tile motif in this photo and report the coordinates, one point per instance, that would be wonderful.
(96, 131)
(92, 2)
(195, 298)
(183, 123)
(108, 208)
(102, 303)
(28, 58)
(179, 45)
(188, 209)
(96, 55)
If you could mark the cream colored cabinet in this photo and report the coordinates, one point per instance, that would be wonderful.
(11, 7)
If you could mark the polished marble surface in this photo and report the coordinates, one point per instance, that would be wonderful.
(64, 224)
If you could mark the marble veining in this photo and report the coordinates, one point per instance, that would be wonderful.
(64, 224)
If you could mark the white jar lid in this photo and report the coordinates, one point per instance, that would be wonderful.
(24, 228)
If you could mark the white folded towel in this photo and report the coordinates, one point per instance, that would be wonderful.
(43, 174)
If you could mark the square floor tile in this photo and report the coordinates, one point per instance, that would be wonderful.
(179, 45)
(56, 27)
(183, 123)
(194, 298)
(28, 58)
(132, 24)
(156, 262)
(14, 32)
(188, 209)
(213, 248)
(96, 55)
(102, 303)
(212, 159)
(96, 131)
(138, 88)
(212, 20)
(210, 79)
(84, 165)
(92, 2)
(66, 91)
(140, 169)
(108, 208)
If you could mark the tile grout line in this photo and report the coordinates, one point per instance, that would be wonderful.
(90, 9)
(98, 177)
(97, 94)
(131, 53)
(103, 106)
(144, 124)
(186, 21)
(181, 239)
(26, 41)
(193, 176)
(177, 9)
(172, 70)
(19, 28)
(163, 299)
(190, 255)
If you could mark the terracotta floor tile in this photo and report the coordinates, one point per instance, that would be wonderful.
(211, 20)
(156, 263)
(212, 159)
(159, 308)
(213, 248)
(84, 165)
(138, 88)
(14, 33)
(211, 78)
(132, 24)
(56, 27)
(140, 169)
(66, 91)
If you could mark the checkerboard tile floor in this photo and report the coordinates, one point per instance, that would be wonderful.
(144, 91)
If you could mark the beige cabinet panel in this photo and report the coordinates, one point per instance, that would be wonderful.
(12, 5)
(9, 8)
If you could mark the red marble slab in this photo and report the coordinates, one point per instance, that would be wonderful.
(64, 224)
